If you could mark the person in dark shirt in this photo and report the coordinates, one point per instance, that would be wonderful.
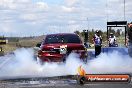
(97, 39)
(129, 31)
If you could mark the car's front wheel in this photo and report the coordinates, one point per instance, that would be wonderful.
(39, 61)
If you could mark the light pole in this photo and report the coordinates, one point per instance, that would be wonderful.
(88, 22)
(124, 10)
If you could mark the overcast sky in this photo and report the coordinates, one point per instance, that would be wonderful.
(37, 17)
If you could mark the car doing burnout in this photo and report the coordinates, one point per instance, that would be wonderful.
(56, 47)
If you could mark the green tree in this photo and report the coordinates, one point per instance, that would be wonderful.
(77, 32)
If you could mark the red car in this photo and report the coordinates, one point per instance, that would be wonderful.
(56, 47)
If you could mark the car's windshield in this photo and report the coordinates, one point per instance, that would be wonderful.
(69, 38)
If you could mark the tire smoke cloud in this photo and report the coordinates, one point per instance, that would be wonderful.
(23, 63)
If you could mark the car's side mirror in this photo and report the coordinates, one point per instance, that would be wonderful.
(38, 45)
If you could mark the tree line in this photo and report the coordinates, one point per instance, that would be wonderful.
(91, 33)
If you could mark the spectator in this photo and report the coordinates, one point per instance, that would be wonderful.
(112, 40)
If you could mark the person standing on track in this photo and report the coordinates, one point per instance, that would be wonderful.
(97, 39)
(129, 32)
(112, 40)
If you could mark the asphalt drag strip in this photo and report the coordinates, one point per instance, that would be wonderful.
(62, 84)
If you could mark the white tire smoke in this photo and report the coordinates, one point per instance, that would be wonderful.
(22, 63)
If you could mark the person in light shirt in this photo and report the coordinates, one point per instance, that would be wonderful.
(112, 40)
(97, 39)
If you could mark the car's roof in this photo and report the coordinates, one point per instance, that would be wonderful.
(62, 34)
